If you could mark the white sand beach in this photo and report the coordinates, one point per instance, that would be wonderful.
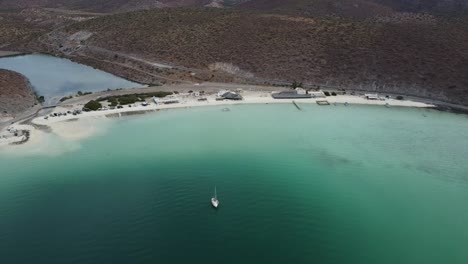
(72, 128)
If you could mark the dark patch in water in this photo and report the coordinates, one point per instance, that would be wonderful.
(324, 156)
(333, 160)
(438, 173)
(428, 169)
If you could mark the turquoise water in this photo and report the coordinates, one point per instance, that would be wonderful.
(55, 77)
(356, 184)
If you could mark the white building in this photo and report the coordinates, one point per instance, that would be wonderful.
(300, 90)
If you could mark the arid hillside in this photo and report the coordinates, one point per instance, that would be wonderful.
(426, 5)
(16, 94)
(320, 8)
(373, 45)
(355, 8)
(337, 7)
(414, 54)
(20, 30)
(16, 31)
(106, 6)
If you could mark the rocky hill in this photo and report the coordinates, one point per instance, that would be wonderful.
(322, 8)
(16, 94)
(426, 5)
(20, 30)
(102, 6)
(15, 31)
(404, 53)
(356, 8)
(374, 45)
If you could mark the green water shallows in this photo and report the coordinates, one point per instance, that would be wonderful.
(55, 77)
(355, 184)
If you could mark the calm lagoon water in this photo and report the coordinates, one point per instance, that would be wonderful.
(356, 184)
(55, 77)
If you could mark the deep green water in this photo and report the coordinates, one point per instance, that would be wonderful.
(356, 184)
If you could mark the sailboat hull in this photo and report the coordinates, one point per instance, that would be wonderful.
(214, 202)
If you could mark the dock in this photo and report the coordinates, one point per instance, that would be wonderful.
(322, 102)
(297, 106)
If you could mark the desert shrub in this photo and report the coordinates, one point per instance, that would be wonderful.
(80, 93)
(296, 84)
(113, 101)
(41, 98)
(128, 99)
(155, 94)
(92, 105)
(65, 98)
(131, 98)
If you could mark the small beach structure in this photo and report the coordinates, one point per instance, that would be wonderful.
(300, 90)
(323, 102)
(228, 95)
(290, 94)
(317, 94)
(371, 96)
(166, 100)
(170, 101)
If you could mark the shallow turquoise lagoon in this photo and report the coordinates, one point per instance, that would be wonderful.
(358, 184)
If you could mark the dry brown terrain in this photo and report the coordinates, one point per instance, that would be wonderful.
(102, 6)
(353, 8)
(412, 54)
(16, 32)
(21, 29)
(372, 45)
(16, 94)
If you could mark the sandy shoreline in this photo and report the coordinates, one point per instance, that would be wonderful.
(87, 124)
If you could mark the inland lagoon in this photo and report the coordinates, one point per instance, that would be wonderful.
(54, 77)
(334, 184)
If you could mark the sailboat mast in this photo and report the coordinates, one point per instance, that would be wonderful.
(216, 197)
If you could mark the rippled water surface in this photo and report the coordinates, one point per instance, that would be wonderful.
(323, 185)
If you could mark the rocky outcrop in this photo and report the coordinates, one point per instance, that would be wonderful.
(16, 94)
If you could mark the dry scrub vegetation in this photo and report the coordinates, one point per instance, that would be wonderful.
(418, 58)
(15, 31)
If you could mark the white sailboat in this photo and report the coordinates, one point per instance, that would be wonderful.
(214, 200)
